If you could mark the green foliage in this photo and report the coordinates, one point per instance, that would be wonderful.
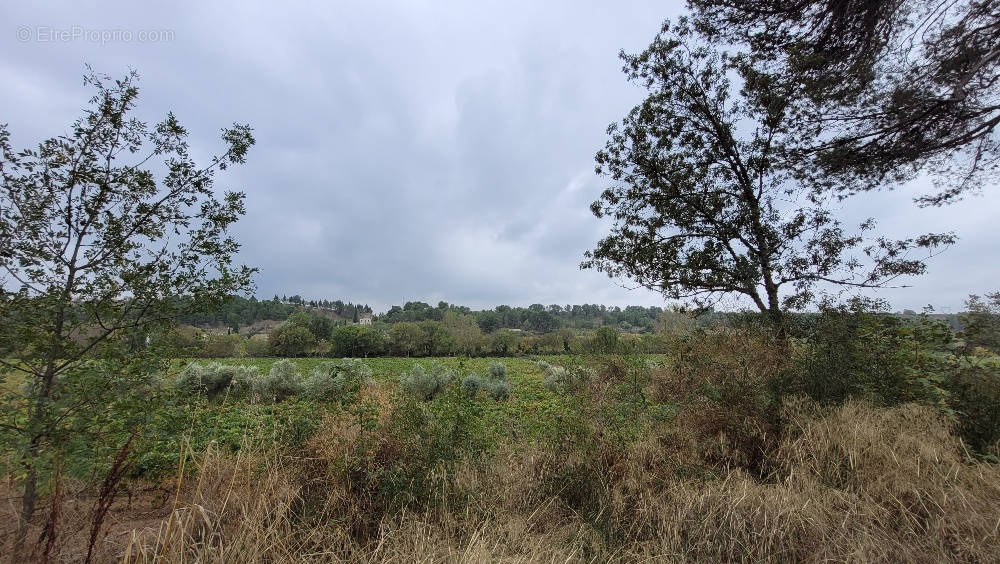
(498, 371)
(881, 90)
(407, 339)
(108, 233)
(471, 385)
(425, 384)
(336, 381)
(290, 340)
(561, 380)
(606, 341)
(858, 351)
(981, 322)
(973, 385)
(280, 383)
(494, 384)
(705, 200)
(434, 437)
(215, 378)
(356, 341)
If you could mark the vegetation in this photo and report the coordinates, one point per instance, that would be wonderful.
(319, 431)
(91, 241)
(880, 90)
(707, 201)
(735, 446)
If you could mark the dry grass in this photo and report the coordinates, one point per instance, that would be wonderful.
(855, 484)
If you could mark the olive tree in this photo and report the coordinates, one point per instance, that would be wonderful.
(107, 234)
(706, 200)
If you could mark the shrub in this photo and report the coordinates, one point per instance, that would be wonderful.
(290, 340)
(494, 384)
(498, 371)
(497, 389)
(280, 383)
(336, 381)
(425, 385)
(727, 386)
(215, 378)
(606, 341)
(222, 346)
(190, 379)
(974, 387)
(471, 385)
(561, 380)
(860, 352)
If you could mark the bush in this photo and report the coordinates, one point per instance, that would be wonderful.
(860, 352)
(280, 383)
(562, 380)
(974, 387)
(727, 384)
(496, 389)
(289, 340)
(215, 378)
(606, 341)
(336, 381)
(471, 385)
(223, 346)
(494, 384)
(425, 385)
(498, 371)
(257, 346)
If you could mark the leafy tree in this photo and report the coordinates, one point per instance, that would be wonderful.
(318, 325)
(464, 333)
(437, 341)
(504, 342)
(605, 341)
(981, 322)
(707, 202)
(95, 245)
(355, 341)
(488, 321)
(407, 338)
(290, 340)
(882, 88)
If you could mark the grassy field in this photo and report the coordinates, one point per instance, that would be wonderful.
(699, 455)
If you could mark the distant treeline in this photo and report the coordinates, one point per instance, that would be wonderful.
(536, 317)
(240, 312)
(243, 312)
(417, 329)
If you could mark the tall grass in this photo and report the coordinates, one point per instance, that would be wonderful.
(855, 483)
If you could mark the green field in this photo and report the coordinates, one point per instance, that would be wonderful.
(531, 413)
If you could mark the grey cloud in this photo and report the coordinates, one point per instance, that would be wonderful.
(406, 150)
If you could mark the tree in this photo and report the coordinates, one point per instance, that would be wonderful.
(355, 341)
(706, 202)
(489, 321)
(290, 340)
(605, 341)
(884, 88)
(981, 322)
(96, 245)
(407, 338)
(465, 334)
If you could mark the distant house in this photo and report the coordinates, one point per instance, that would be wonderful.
(365, 319)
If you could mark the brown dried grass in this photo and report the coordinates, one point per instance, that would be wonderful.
(856, 484)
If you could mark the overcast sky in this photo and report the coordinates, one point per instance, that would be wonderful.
(408, 150)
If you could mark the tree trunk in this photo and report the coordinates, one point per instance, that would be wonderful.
(28, 500)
